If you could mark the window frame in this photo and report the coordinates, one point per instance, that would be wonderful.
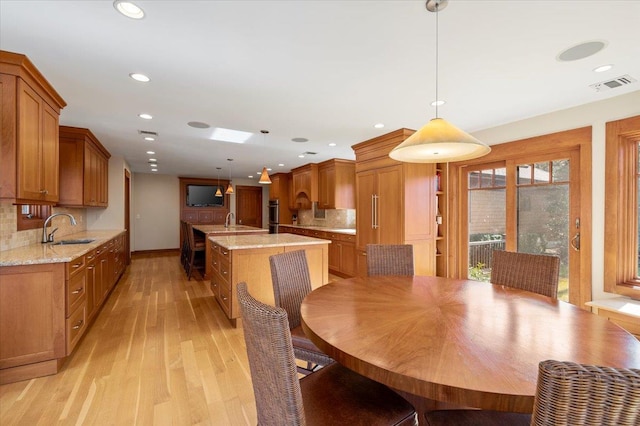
(577, 141)
(621, 207)
(35, 219)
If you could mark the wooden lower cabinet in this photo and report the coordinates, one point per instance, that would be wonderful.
(32, 320)
(229, 267)
(342, 250)
(45, 309)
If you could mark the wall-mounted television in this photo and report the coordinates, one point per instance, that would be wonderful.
(204, 196)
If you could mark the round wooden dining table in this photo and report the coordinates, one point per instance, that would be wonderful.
(463, 342)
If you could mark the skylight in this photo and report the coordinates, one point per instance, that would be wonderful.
(230, 135)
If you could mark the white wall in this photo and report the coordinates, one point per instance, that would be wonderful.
(113, 216)
(155, 212)
(596, 115)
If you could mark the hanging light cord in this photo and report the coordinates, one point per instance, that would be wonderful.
(437, 5)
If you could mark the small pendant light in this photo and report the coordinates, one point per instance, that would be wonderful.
(218, 192)
(229, 187)
(264, 177)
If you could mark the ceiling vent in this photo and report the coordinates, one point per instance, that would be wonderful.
(147, 133)
(612, 84)
(309, 153)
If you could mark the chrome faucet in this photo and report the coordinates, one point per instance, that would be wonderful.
(227, 220)
(49, 238)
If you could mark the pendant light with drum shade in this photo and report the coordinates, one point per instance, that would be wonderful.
(264, 177)
(218, 192)
(229, 190)
(438, 141)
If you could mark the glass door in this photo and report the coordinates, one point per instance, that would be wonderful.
(528, 205)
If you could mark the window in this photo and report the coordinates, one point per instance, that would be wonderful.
(531, 196)
(31, 216)
(622, 208)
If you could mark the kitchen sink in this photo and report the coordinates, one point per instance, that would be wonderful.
(65, 242)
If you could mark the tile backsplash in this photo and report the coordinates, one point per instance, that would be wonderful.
(334, 218)
(11, 238)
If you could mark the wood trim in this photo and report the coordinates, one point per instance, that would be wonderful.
(620, 206)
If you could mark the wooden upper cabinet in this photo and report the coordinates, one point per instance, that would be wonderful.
(336, 184)
(305, 185)
(279, 188)
(29, 144)
(84, 169)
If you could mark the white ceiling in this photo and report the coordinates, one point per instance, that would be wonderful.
(323, 70)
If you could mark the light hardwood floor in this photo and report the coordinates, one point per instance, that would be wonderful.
(160, 352)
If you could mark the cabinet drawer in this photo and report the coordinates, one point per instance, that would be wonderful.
(225, 271)
(205, 217)
(343, 237)
(224, 254)
(224, 298)
(76, 324)
(215, 286)
(190, 216)
(75, 266)
(90, 257)
(76, 290)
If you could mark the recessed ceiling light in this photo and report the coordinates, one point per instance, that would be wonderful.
(581, 51)
(152, 160)
(230, 135)
(603, 68)
(281, 165)
(301, 156)
(139, 77)
(150, 152)
(198, 125)
(378, 126)
(300, 140)
(438, 103)
(128, 9)
(149, 138)
(268, 169)
(154, 170)
(250, 176)
(332, 144)
(145, 116)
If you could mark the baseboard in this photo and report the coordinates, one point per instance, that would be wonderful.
(159, 252)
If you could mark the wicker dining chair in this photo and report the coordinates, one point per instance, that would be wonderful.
(567, 394)
(537, 273)
(291, 283)
(389, 259)
(334, 395)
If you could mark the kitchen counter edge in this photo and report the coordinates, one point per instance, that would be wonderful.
(39, 253)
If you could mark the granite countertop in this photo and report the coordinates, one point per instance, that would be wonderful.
(220, 229)
(48, 253)
(348, 231)
(237, 242)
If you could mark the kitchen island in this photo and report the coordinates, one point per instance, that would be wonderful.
(221, 230)
(246, 258)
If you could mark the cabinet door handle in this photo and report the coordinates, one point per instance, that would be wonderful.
(44, 191)
(375, 211)
(90, 267)
(78, 324)
(78, 291)
(76, 265)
